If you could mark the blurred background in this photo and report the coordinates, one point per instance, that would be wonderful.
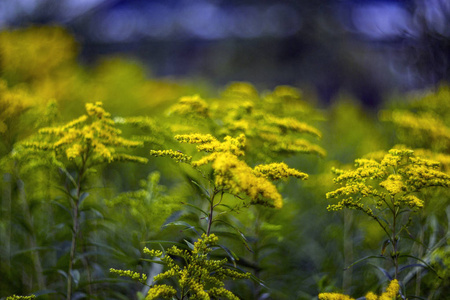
(367, 48)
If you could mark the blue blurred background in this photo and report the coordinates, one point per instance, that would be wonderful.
(366, 48)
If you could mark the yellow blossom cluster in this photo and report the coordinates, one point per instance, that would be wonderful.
(14, 102)
(420, 125)
(231, 174)
(334, 296)
(424, 122)
(159, 291)
(208, 143)
(191, 106)
(392, 292)
(35, 52)
(268, 134)
(175, 155)
(240, 90)
(286, 124)
(133, 275)
(15, 297)
(200, 278)
(92, 137)
(270, 122)
(236, 176)
(392, 181)
(277, 171)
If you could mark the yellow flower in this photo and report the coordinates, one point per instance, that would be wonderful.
(334, 296)
(175, 155)
(235, 175)
(133, 275)
(36, 51)
(191, 106)
(399, 172)
(278, 171)
(161, 290)
(391, 293)
(201, 276)
(91, 136)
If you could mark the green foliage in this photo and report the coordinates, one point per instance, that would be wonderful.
(200, 277)
(69, 213)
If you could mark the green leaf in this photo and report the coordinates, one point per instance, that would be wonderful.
(411, 266)
(112, 249)
(32, 250)
(63, 169)
(259, 281)
(197, 208)
(421, 260)
(83, 196)
(187, 225)
(386, 273)
(205, 191)
(231, 254)
(190, 245)
(240, 234)
(165, 242)
(76, 277)
(385, 244)
(363, 259)
(153, 261)
(62, 206)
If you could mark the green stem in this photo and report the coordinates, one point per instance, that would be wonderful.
(395, 243)
(76, 225)
(348, 250)
(211, 210)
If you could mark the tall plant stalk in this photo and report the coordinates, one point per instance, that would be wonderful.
(75, 203)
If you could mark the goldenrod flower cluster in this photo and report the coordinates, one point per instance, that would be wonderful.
(276, 171)
(92, 136)
(159, 291)
(269, 135)
(15, 297)
(13, 103)
(231, 174)
(334, 296)
(424, 122)
(133, 275)
(424, 125)
(193, 106)
(236, 176)
(175, 155)
(35, 52)
(392, 293)
(268, 121)
(394, 182)
(200, 278)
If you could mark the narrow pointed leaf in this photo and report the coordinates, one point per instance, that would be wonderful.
(197, 208)
(422, 261)
(411, 266)
(363, 259)
(205, 191)
(190, 245)
(231, 254)
(182, 223)
(240, 234)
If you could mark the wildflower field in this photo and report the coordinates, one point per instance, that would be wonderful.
(118, 185)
